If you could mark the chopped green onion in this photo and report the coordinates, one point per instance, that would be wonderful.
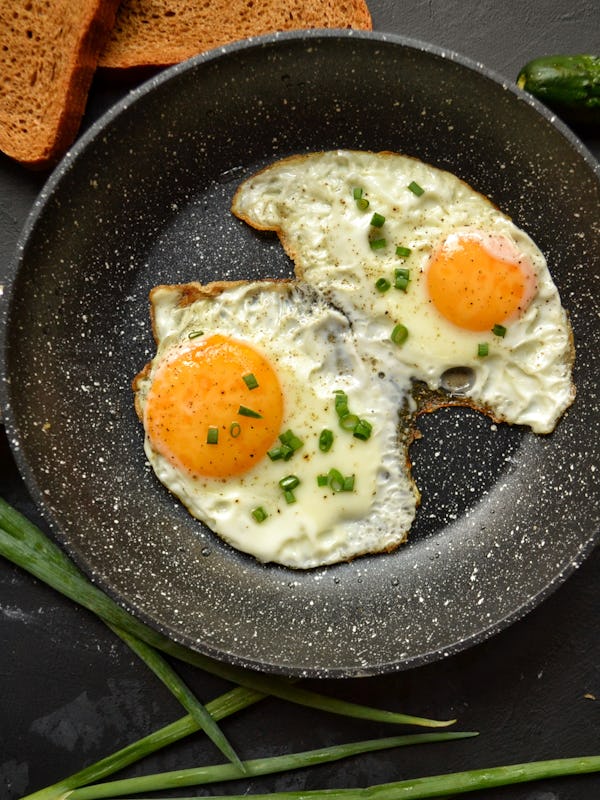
(499, 330)
(377, 220)
(361, 202)
(349, 422)
(378, 244)
(290, 497)
(212, 437)
(290, 441)
(362, 430)
(248, 412)
(195, 334)
(341, 403)
(275, 453)
(483, 349)
(403, 252)
(259, 514)
(399, 334)
(289, 482)
(325, 440)
(401, 278)
(382, 285)
(322, 480)
(348, 483)
(335, 480)
(235, 429)
(250, 381)
(415, 188)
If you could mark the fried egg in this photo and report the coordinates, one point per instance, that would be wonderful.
(245, 380)
(433, 277)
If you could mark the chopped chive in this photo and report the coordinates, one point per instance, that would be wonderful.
(399, 334)
(415, 188)
(362, 204)
(357, 193)
(499, 330)
(275, 453)
(195, 334)
(382, 285)
(377, 244)
(322, 480)
(259, 514)
(349, 422)
(403, 252)
(341, 403)
(335, 480)
(483, 349)
(362, 430)
(248, 412)
(212, 437)
(377, 220)
(290, 440)
(325, 440)
(289, 482)
(289, 496)
(250, 380)
(348, 483)
(235, 429)
(401, 278)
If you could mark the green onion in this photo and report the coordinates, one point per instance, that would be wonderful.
(215, 773)
(212, 437)
(399, 334)
(259, 514)
(499, 330)
(401, 278)
(361, 201)
(349, 422)
(290, 443)
(362, 430)
(322, 480)
(289, 496)
(348, 485)
(195, 334)
(378, 244)
(325, 440)
(415, 188)
(377, 220)
(341, 403)
(335, 479)
(483, 349)
(165, 673)
(248, 412)
(235, 429)
(250, 380)
(289, 482)
(403, 252)
(382, 285)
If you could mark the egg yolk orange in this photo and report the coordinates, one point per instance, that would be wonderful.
(202, 388)
(476, 282)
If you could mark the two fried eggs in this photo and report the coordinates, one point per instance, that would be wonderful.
(280, 413)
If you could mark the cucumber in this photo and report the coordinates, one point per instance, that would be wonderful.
(569, 85)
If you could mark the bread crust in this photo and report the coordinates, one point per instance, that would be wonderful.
(159, 33)
(49, 56)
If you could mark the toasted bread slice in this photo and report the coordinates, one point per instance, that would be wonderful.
(48, 55)
(162, 32)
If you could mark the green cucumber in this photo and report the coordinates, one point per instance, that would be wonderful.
(569, 85)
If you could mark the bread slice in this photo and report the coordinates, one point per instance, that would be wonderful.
(162, 32)
(48, 55)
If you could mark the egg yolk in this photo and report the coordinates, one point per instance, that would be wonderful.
(477, 280)
(214, 408)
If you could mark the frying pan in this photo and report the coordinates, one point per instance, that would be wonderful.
(142, 199)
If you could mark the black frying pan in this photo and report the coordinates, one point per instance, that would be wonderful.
(144, 199)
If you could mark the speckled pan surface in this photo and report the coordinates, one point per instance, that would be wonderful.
(144, 199)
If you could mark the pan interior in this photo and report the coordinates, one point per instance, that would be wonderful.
(145, 200)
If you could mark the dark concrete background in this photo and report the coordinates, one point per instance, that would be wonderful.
(71, 693)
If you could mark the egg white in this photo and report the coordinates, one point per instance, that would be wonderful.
(313, 349)
(308, 200)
